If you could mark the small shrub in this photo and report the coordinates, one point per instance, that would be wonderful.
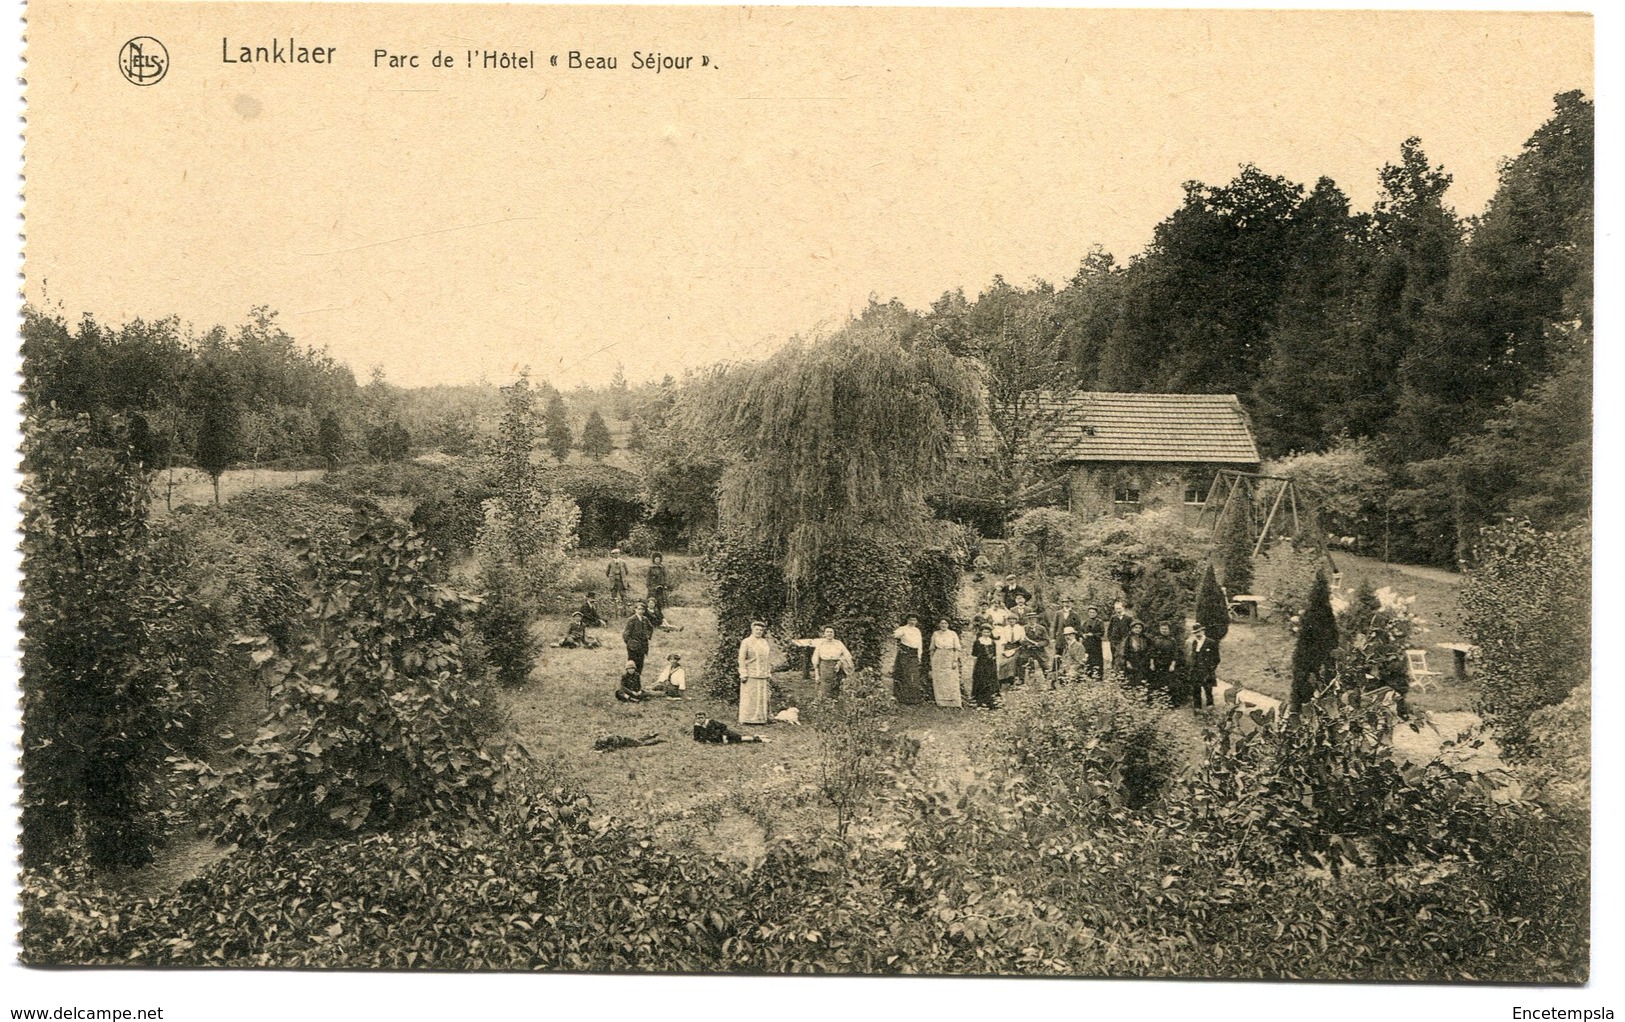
(1312, 656)
(503, 621)
(1212, 610)
(1234, 543)
(1096, 743)
(856, 745)
(1372, 645)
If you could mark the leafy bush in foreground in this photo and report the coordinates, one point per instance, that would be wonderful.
(1091, 742)
(100, 661)
(1421, 877)
(373, 716)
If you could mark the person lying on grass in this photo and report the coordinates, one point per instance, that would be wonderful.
(631, 688)
(715, 732)
(610, 743)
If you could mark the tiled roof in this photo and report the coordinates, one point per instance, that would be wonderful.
(1094, 426)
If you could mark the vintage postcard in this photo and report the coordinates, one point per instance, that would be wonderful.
(717, 491)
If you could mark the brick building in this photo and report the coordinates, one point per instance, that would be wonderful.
(1120, 453)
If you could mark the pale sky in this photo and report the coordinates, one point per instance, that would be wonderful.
(453, 224)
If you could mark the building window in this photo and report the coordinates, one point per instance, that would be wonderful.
(1126, 495)
(1195, 495)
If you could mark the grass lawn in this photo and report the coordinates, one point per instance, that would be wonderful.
(741, 794)
(1259, 656)
(726, 799)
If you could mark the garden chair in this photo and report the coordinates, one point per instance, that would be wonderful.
(1416, 665)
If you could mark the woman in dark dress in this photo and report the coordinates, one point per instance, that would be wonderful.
(985, 673)
(907, 673)
(657, 583)
(1167, 664)
(1136, 655)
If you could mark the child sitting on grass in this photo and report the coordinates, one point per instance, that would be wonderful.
(631, 688)
(673, 681)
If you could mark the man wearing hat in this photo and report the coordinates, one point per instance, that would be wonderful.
(589, 611)
(1092, 636)
(615, 571)
(1010, 590)
(636, 634)
(1117, 631)
(1064, 618)
(1202, 665)
(1075, 655)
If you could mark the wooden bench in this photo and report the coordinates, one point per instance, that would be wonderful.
(1245, 607)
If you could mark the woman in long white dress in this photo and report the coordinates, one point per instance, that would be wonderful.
(1010, 636)
(945, 665)
(755, 668)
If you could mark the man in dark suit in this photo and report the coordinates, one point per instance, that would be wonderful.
(1093, 635)
(589, 612)
(1066, 616)
(1202, 665)
(639, 629)
(1010, 590)
(1117, 629)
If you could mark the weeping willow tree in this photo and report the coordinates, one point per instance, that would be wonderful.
(837, 439)
(834, 444)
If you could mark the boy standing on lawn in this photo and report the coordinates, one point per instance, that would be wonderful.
(615, 571)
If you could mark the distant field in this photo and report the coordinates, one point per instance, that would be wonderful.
(193, 486)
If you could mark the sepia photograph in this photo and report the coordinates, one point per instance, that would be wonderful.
(907, 492)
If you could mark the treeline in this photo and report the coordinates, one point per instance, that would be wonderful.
(211, 400)
(1453, 354)
(254, 396)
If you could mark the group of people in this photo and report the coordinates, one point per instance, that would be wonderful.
(648, 616)
(656, 583)
(1016, 642)
(1012, 642)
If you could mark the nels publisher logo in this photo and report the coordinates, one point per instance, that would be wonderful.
(144, 61)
